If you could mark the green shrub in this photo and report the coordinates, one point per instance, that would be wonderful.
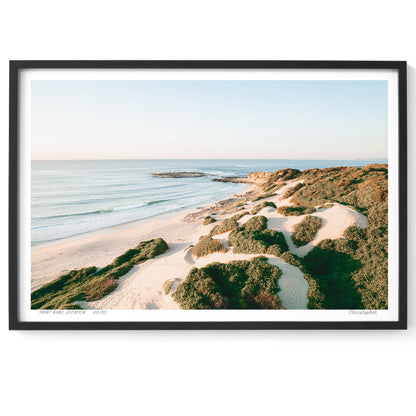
(332, 270)
(227, 225)
(272, 188)
(237, 285)
(254, 238)
(206, 245)
(257, 223)
(167, 286)
(305, 231)
(236, 210)
(259, 207)
(291, 258)
(291, 191)
(237, 217)
(208, 220)
(355, 233)
(277, 179)
(316, 297)
(266, 195)
(295, 210)
(361, 188)
(143, 251)
(63, 285)
(327, 206)
(88, 283)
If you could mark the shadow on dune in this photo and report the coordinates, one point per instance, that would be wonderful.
(333, 272)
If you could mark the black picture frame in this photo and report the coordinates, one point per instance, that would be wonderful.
(14, 276)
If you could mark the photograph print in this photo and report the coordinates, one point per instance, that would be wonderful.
(209, 196)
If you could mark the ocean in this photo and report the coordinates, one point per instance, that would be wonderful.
(71, 197)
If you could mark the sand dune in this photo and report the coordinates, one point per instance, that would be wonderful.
(334, 222)
(293, 285)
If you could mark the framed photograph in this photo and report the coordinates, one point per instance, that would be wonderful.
(208, 195)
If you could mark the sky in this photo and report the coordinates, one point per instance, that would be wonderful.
(208, 119)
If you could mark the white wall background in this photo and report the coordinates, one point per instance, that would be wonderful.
(201, 373)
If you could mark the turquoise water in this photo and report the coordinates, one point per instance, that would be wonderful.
(75, 197)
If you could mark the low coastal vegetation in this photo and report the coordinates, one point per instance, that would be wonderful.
(350, 272)
(292, 190)
(263, 196)
(207, 245)
(295, 210)
(254, 238)
(227, 225)
(332, 267)
(208, 220)
(272, 189)
(233, 211)
(346, 273)
(90, 284)
(237, 217)
(275, 180)
(259, 207)
(241, 284)
(361, 188)
(167, 286)
(305, 231)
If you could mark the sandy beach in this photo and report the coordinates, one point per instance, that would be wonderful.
(142, 287)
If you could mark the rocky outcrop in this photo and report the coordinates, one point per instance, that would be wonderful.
(233, 179)
(179, 174)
